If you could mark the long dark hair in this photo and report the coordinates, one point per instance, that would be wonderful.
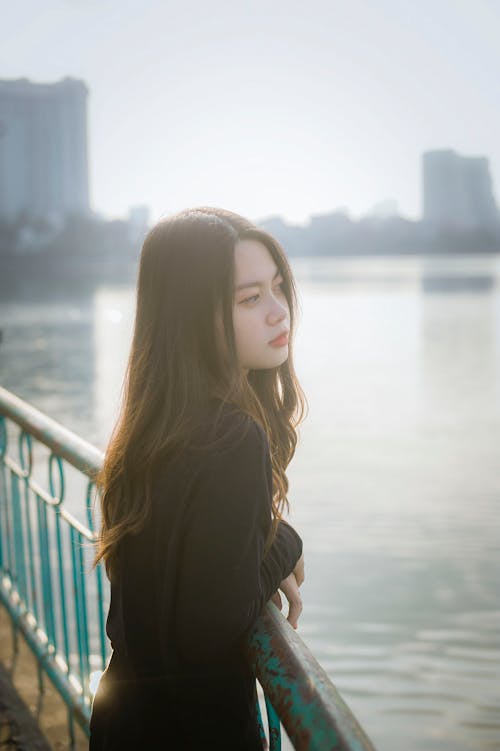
(186, 279)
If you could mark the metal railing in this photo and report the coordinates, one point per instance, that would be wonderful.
(59, 604)
(45, 555)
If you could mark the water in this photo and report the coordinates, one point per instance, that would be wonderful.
(395, 485)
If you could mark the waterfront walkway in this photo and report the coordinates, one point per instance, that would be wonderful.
(18, 729)
(26, 722)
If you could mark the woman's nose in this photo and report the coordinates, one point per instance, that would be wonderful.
(279, 312)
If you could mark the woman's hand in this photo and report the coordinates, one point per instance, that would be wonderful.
(290, 588)
(299, 570)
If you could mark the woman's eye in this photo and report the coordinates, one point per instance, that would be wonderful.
(254, 298)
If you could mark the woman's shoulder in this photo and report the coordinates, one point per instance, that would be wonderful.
(225, 427)
(229, 457)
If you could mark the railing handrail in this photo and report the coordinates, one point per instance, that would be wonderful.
(62, 441)
(310, 708)
(306, 701)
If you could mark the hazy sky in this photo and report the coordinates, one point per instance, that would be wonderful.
(277, 107)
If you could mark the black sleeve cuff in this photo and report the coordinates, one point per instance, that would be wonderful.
(281, 558)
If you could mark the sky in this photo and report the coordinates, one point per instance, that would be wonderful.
(266, 108)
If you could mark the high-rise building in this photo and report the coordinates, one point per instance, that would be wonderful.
(43, 148)
(457, 191)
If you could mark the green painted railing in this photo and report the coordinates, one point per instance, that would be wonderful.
(59, 603)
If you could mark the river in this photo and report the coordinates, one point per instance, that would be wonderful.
(395, 486)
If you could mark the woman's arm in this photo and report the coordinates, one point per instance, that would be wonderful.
(224, 580)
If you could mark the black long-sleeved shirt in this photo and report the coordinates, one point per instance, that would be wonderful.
(187, 591)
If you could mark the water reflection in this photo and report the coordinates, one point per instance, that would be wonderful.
(451, 284)
(114, 308)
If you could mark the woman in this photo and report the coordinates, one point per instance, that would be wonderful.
(193, 486)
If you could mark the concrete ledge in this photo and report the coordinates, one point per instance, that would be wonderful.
(47, 711)
(18, 729)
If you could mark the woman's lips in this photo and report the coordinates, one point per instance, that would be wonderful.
(280, 340)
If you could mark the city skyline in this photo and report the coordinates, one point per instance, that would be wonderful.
(279, 113)
(44, 166)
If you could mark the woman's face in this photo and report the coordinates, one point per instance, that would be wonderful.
(260, 308)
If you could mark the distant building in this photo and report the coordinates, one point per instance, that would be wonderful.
(457, 191)
(138, 223)
(43, 148)
(337, 219)
(385, 208)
